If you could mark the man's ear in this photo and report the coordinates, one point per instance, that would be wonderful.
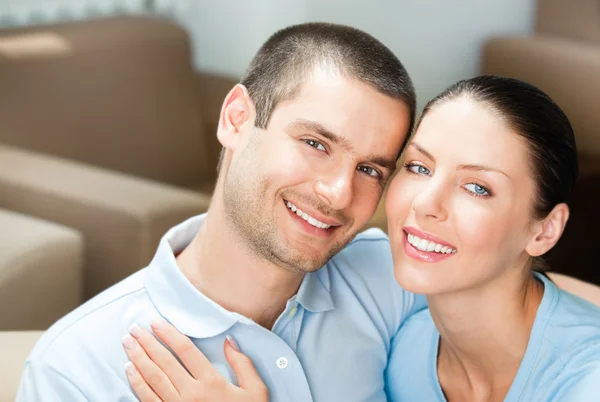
(548, 231)
(237, 114)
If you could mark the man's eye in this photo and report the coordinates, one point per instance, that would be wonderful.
(315, 144)
(369, 170)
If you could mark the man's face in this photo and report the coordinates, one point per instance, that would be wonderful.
(300, 190)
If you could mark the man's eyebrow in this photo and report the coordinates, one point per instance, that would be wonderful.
(318, 128)
(384, 162)
(421, 150)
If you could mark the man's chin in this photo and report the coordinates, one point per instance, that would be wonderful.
(299, 258)
(302, 262)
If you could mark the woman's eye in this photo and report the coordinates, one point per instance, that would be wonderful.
(315, 144)
(418, 169)
(477, 189)
(369, 170)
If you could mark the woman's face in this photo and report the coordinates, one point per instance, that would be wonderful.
(460, 211)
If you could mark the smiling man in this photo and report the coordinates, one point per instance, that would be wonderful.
(310, 137)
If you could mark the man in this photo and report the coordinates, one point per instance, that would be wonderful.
(310, 138)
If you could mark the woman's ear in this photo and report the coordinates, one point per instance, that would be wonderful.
(237, 111)
(548, 231)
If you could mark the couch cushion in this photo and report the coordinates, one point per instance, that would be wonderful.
(14, 349)
(40, 271)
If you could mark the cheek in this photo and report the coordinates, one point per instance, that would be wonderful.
(477, 226)
(365, 202)
(483, 230)
(282, 162)
(400, 197)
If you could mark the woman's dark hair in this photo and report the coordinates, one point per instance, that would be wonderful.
(538, 120)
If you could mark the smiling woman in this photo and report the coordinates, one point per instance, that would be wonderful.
(481, 196)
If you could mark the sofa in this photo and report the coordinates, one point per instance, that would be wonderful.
(104, 145)
(108, 120)
(562, 58)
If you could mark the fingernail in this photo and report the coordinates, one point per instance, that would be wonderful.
(129, 342)
(135, 330)
(158, 323)
(232, 342)
(130, 369)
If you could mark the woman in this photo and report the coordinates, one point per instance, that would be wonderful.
(481, 196)
(484, 185)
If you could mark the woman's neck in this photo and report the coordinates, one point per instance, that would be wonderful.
(484, 333)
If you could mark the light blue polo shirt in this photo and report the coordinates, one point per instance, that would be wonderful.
(561, 363)
(330, 344)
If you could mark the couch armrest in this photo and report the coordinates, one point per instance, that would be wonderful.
(15, 346)
(568, 71)
(40, 271)
(121, 217)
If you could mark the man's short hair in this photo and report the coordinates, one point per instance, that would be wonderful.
(289, 56)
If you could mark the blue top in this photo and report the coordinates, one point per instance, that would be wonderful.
(561, 363)
(330, 344)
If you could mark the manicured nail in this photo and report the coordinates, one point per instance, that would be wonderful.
(232, 342)
(129, 342)
(130, 369)
(158, 323)
(135, 330)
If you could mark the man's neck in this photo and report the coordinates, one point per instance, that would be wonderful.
(484, 335)
(223, 267)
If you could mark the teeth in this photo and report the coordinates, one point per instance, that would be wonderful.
(429, 246)
(307, 217)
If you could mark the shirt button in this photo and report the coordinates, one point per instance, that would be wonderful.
(293, 312)
(282, 363)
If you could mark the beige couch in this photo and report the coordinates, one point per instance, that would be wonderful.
(119, 93)
(40, 271)
(563, 59)
(97, 98)
(103, 147)
(21, 343)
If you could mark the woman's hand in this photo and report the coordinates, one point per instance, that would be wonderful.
(156, 375)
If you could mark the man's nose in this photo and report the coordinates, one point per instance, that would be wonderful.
(335, 189)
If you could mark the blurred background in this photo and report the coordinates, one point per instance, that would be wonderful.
(108, 113)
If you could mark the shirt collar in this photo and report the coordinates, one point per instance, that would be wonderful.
(190, 311)
(314, 295)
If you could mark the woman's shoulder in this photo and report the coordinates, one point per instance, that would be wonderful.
(418, 329)
(574, 319)
(572, 333)
(418, 322)
(410, 374)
